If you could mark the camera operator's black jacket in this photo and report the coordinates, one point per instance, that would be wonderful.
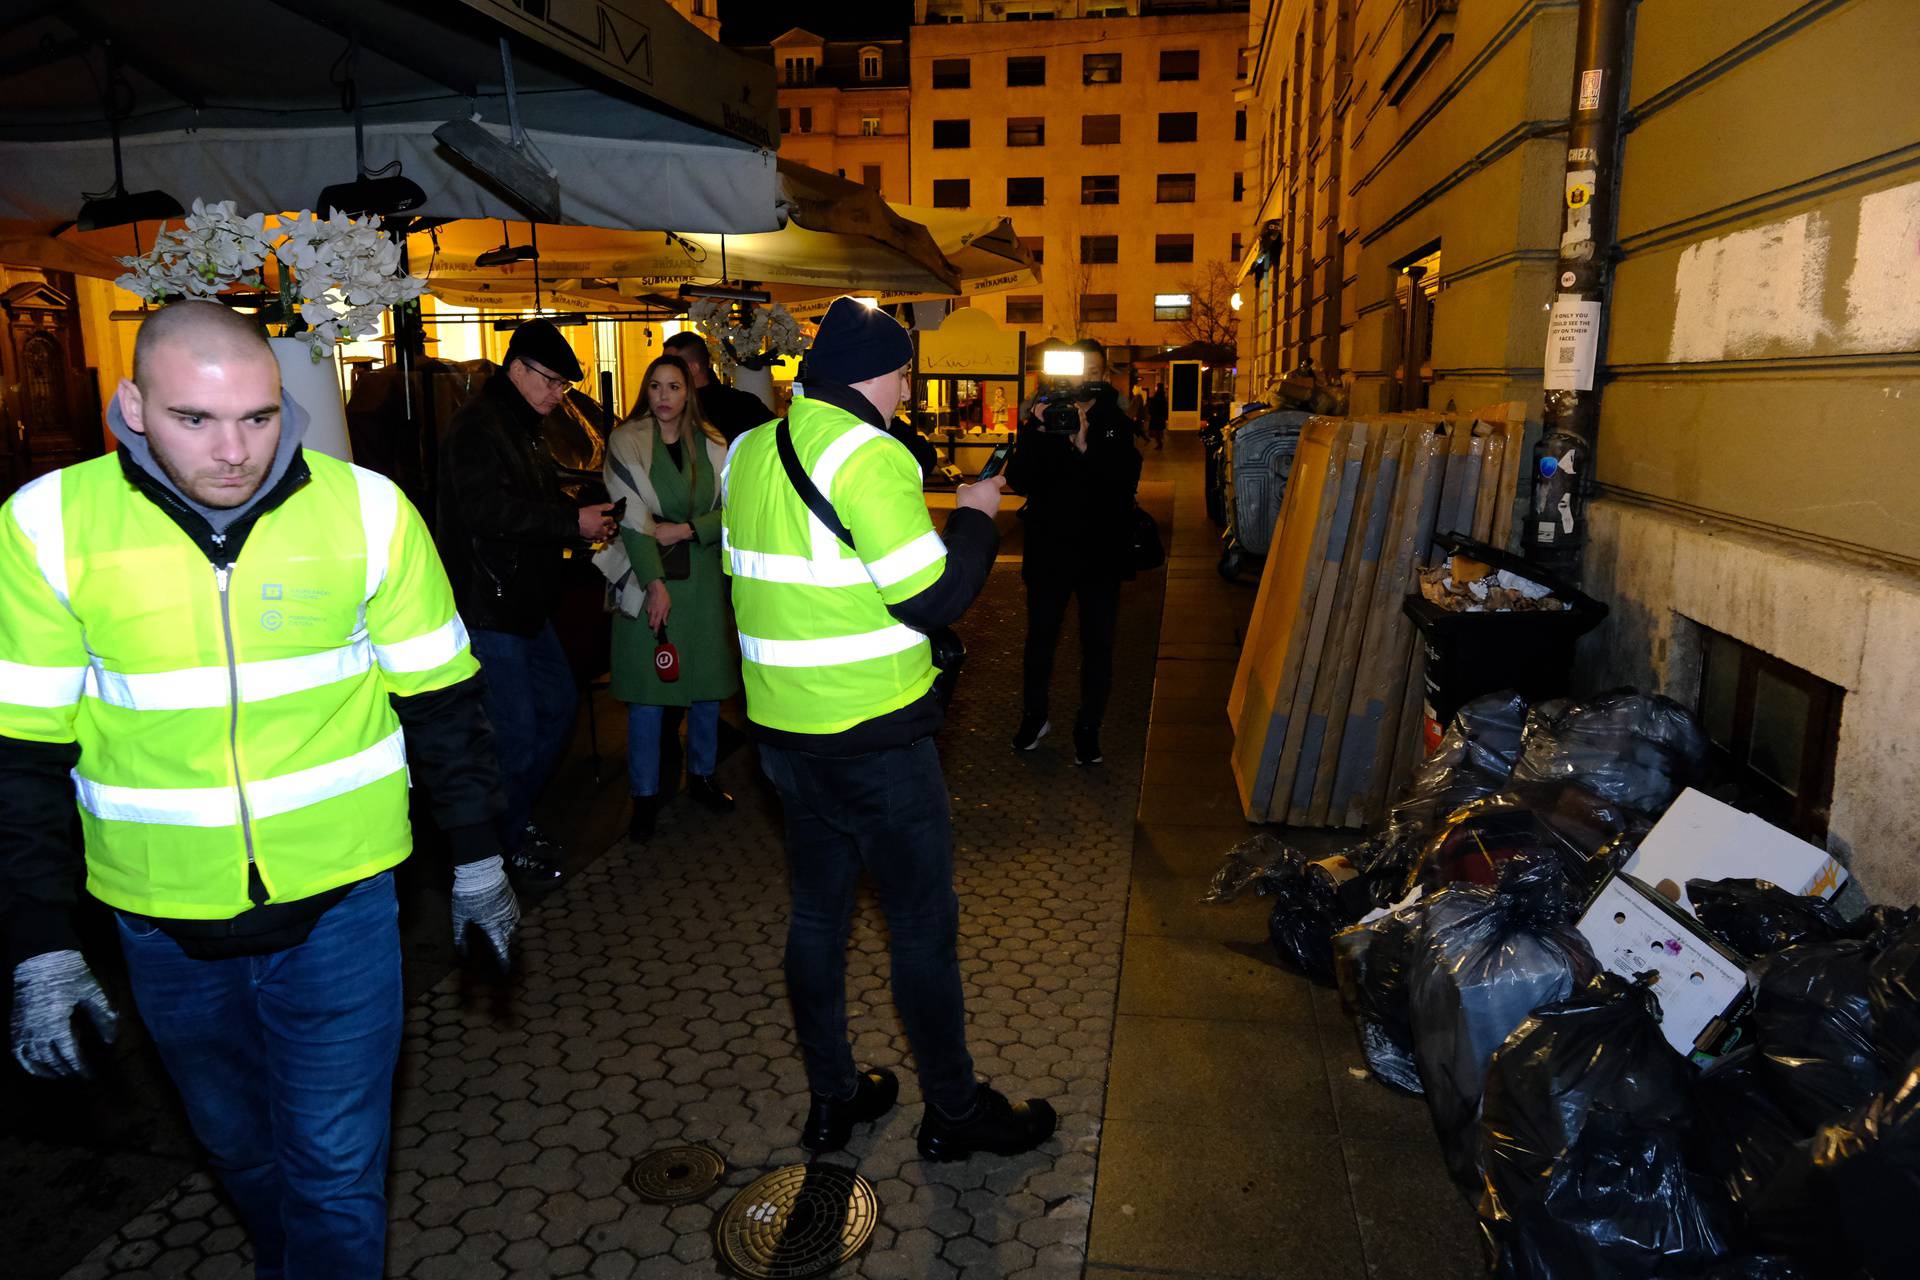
(503, 517)
(1079, 505)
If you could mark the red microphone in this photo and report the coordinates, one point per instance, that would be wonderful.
(666, 658)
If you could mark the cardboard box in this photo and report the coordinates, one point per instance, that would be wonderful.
(1701, 839)
(1701, 984)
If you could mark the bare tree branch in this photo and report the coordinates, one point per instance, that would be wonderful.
(1211, 317)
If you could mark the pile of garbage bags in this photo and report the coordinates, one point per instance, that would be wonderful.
(1593, 1140)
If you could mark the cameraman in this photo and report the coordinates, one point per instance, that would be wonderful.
(1078, 470)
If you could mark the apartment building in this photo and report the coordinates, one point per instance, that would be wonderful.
(1108, 132)
(1752, 530)
(843, 106)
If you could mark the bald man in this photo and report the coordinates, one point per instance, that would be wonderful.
(231, 654)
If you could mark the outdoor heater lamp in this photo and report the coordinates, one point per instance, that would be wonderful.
(521, 173)
(724, 293)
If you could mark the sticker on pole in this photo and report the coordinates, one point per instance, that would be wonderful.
(1573, 344)
(1590, 82)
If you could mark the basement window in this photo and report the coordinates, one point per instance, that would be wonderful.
(1774, 729)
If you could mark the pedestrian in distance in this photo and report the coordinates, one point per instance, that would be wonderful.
(730, 410)
(838, 576)
(1078, 516)
(504, 527)
(1157, 416)
(664, 464)
(232, 653)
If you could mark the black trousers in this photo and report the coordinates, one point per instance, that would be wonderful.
(1048, 591)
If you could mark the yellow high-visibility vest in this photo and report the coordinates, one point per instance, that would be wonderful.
(224, 715)
(819, 651)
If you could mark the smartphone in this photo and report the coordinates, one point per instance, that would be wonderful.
(618, 511)
(996, 462)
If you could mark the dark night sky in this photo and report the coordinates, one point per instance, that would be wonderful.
(758, 21)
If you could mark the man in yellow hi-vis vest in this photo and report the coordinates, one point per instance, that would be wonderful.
(231, 653)
(838, 576)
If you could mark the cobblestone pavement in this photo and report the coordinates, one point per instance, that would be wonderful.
(649, 1010)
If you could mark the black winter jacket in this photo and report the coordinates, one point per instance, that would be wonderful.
(503, 518)
(1079, 505)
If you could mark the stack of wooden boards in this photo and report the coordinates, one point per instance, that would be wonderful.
(1326, 702)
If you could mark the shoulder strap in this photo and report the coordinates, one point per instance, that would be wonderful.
(804, 486)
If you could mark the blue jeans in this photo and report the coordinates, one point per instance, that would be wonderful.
(285, 1062)
(643, 743)
(531, 702)
(887, 813)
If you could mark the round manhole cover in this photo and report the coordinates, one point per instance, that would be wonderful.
(803, 1220)
(673, 1175)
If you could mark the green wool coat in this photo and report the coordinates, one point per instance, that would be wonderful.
(699, 623)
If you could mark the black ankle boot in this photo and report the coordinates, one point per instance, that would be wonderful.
(993, 1125)
(640, 825)
(703, 789)
(830, 1121)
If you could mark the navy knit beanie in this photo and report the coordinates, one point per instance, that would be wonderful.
(856, 342)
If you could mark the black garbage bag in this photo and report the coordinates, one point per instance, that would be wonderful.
(1813, 1024)
(1473, 760)
(1565, 823)
(1634, 749)
(1757, 918)
(1311, 900)
(1371, 963)
(1870, 1164)
(1759, 1266)
(1583, 1142)
(1893, 991)
(1761, 1157)
(1488, 958)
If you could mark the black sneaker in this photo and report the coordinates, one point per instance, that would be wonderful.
(1032, 729)
(702, 789)
(994, 1125)
(1086, 746)
(830, 1121)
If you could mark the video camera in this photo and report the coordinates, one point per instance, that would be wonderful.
(1059, 401)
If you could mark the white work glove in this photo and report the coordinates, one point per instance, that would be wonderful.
(483, 899)
(47, 989)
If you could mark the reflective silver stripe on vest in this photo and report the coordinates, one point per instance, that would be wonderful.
(436, 648)
(22, 685)
(773, 566)
(826, 545)
(900, 565)
(379, 516)
(202, 688)
(830, 651)
(220, 806)
(36, 508)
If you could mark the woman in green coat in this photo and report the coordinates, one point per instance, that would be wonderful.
(665, 461)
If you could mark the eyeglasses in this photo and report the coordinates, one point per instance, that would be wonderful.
(553, 380)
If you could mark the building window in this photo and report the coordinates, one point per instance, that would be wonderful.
(1099, 308)
(1100, 188)
(1022, 72)
(1174, 188)
(1179, 64)
(1172, 306)
(1107, 11)
(1239, 187)
(1099, 131)
(1416, 283)
(1029, 13)
(1026, 131)
(869, 63)
(786, 119)
(1239, 246)
(1024, 308)
(1774, 728)
(804, 120)
(869, 126)
(952, 73)
(1179, 126)
(1035, 246)
(1176, 248)
(952, 134)
(870, 176)
(1026, 191)
(1099, 68)
(799, 70)
(1098, 249)
(951, 193)
(1240, 125)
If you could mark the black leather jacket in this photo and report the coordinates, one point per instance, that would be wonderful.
(503, 517)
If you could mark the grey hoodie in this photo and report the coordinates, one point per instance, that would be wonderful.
(293, 428)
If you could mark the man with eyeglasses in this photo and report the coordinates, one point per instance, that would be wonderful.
(503, 524)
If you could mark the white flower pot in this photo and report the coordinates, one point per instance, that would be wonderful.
(757, 381)
(315, 387)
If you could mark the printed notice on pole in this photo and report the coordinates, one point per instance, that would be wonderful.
(1573, 342)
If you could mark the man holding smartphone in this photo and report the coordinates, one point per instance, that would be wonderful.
(839, 677)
